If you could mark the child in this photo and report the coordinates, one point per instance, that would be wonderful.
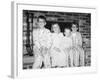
(41, 39)
(57, 54)
(77, 45)
(67, 46)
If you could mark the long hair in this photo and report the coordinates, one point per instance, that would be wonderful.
(41, 17)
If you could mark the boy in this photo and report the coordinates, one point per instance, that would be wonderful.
(67, 44)
(41, 39)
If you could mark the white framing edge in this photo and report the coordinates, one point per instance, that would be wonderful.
(54, 5)
(14, 61)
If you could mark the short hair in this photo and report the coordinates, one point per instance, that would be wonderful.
(41, 17)
(74, 23)
(55, 23)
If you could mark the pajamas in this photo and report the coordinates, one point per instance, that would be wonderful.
(57, 54)
(77, 46)
(40, 58)
(76, 56)
(41, 39)
(67, 47)
(81, 56)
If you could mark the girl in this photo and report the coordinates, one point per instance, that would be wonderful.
(77, 45)
(58, 57)
(67, 46)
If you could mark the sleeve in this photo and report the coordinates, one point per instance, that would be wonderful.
(79, 39)
(71, 42)
(74, 39)
(62, 42)
(49, 39)
(35, 39)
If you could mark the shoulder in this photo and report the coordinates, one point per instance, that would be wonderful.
(72, 34)
(78, 33)
(46, 30)
(61, 34)
(75, 33)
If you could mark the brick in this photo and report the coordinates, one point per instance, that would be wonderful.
(51, 18)
(61, 20)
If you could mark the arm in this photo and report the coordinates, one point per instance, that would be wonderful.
(35, 39)
(49, 39)
(80, 39)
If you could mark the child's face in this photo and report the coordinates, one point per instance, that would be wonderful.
(41, 23)
(74, 28)
(67, 32)
(56, 28)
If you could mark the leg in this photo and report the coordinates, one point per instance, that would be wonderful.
(37, 59)
(47, 63)
(76, 58)
(67, 60)
(82, 57)
(38, 62)
(71, 57)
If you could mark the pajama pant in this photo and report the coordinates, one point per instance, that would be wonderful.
(41, 58)
(58, 58)
(81, 56)
(67, 51)
(78, 56)
(73, 57)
